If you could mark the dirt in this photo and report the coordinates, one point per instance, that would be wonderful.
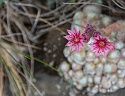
(51, 85)
(52, 44)
(48, 80)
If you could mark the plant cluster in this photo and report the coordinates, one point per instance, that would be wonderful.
(77, 39)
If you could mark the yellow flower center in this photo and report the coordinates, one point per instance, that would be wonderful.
(76, 39)
(101, 43)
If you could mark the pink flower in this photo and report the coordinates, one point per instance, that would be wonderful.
(86, 37)
(101, 45)
(89, 29)
(96, 33)
(75, 39)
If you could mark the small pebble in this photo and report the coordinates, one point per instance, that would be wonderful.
(45, 44)
(54, 55)
(49, 51)
(59, 39)
(45, 49)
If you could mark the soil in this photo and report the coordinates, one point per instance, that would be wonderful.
(51, 85)
(48, 80)
(52, 44)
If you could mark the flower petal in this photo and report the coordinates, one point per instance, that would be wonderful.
(93, 44)
(78, 48)
(73, 48)
(68, 37)
(104, 53)
(81, 44)
(74, 29)
(98, 48)
(69, 44)
(75, 39)
(70, 32)
(100, 37)
(93, 49)
(97, 38)
(97, 53)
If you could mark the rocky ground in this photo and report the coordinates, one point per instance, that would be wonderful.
(51, 85)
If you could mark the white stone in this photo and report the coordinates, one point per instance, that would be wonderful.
(79, 87)
(113, 37)
(96, 60)
(99, 69)
(95, 89)
(123, 52)
(121, 63)
(77, 24)
(64, 66)
(90, 79)
(66, 76)
(113, 34)
(114, 88)
(114, 56)
(106, 20)
(90, 56)
(78, 57)
(107, 68)
(110, 68)
(121, 82)
(97, 79)
(83, 81)
(90, 94)
(92, 8)
(89, 68)
(106, 83)
(67, 51)
(78, 74)
(69, 59)
(78, 21)
(75, 83)
(114, 78)
(71, 73)
(78, 15)
(76, 67)
(121, 73)
(119, 44)
(91, 16)
(102, 59)
(102, 90)
(88, 89)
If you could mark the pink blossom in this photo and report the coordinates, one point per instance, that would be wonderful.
(75, 39)
(96, 33)
(89, 28)
(101, 45)
(86, 37)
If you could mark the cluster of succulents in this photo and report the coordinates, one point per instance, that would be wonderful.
(95, 73)
(91, 14)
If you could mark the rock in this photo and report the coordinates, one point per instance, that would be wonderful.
(51, 85)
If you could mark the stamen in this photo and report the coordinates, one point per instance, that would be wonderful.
(101, 43)
(76, 39)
